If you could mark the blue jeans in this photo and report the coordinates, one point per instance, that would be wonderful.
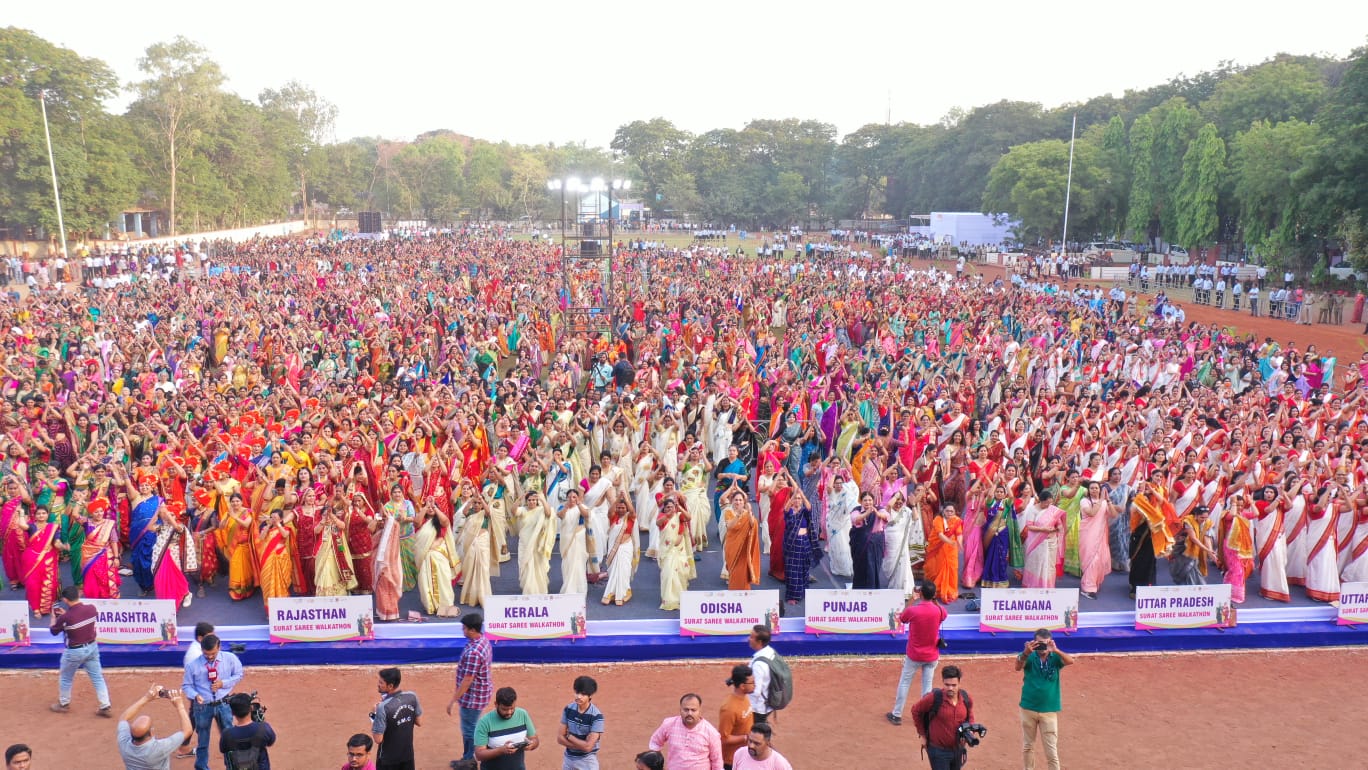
(468, 719)
(910, 668)
(945, 759)
(85, 658)
(203, 716)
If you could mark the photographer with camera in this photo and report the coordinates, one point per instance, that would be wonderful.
(1040, 663)
(137, 748)
(944, 719)
(244, 744)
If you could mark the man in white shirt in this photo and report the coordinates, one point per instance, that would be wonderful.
(760, 642)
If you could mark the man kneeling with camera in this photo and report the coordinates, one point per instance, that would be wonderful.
(945, 721)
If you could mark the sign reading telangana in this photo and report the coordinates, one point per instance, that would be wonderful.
(14, 624)
(321, 619)
(853, 612)
(722, 613)
(134, 621)
(1029, 609)
(534, 616)
(1208, 606)
(1353, 609)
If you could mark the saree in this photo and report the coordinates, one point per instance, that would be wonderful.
(1041, 547)
(676, 561)
(799, 537)
(438, 565)
(741, 547)
(361, 541)
(333, 575)
(776, 530)
(1093, 550)
(866, 551)
(621, 561)
(997, 546)
(276, 571)
(235, 540)
(942, 558)
(694, 486)
(536, 541)
(39, 569)
(73, 534)
(975, 521)
(99, 568)
(1237, 551)
(389, 571)
(1322, 561)
(15, 540)
(838, 528)
(574, 551)
(1073, 564)
(478, 555)
(143, 533)
(1271, 548)
(904, 543)
(173, 556)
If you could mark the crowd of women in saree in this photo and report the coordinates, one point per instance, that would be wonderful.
(846, 418)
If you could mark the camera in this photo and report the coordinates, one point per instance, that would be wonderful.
(1039, 646)
(258, 710)
(970, 733)
(163, 693)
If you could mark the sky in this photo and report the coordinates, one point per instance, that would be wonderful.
(535, 72)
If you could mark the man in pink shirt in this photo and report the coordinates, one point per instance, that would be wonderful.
(359, 753)
(923, 621)
(689, 742)
(758, 754)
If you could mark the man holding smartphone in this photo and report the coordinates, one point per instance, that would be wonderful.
(503, 736)
(1040, 663)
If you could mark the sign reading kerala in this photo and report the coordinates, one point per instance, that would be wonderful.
(534, 616)
(854, 611)
(134, 621)
(1160, 607)
(1029, 609)
(14, 624)
(723, 613)
(321, 619)
(1353, 609)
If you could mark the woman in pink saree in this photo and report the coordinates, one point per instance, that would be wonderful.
(13, 536)
(39, 568)
(975, 518)
(100, 554)
(1094, 550)
(1043, 525)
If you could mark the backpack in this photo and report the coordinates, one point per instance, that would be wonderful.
(780, 692)
(248, 758)
(938, 697)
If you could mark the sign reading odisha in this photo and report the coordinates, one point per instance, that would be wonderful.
(1205, 606)
(534, 616)
(135, 621)
(722, 613)
(1029, 609)
(321, 619)
(853, 612)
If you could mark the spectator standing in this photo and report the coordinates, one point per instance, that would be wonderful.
(762, 654)
(581, 727)
(473, 683)
(938, 724)
(209, 682)
(137, 748)
(758, 754)
(18, 757)
(1041, 663)
(504, 735)
(734, 721)
(690, 743)
(193, 652)
(359, 753)
(77, 621)
(392, 722)
(244, 745)
(923, 619)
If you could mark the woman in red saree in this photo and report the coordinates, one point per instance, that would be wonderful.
(361, 525)
(40, 559)
(100, 554)
(942, 553)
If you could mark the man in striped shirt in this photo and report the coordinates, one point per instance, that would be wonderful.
(77, 621)
(581, 728)
(690, 742)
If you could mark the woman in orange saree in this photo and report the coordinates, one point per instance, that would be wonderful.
(39, 569)
(742, 543)
(235, 539)
(942, 553)
(274, 543)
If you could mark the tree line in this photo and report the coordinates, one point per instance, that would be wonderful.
(1272, 158)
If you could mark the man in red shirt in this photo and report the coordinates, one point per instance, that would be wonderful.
(939, 732)
(923, 621)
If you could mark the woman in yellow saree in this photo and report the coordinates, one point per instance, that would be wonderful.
(438, 562)
(275, 541)
(235, 537)
(333, 575)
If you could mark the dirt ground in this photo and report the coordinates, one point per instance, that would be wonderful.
(1211, 710)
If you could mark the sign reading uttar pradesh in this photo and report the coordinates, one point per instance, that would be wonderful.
(1166, 607)
(1029, 609)
(724, 613)
(853, 611)
(1353, 609)
(534, 616)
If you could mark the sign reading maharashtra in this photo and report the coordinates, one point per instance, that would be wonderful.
(854, 611)
(1029, 609)
(321, 619)
(1160, 607)
(724, 613)
(14, 624)
(134, 621)
(534, 616)
(1353, 609)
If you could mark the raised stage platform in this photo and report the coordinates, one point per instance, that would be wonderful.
(658, 639)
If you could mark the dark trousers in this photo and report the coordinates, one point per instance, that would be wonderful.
(407, 764)
(945, 759)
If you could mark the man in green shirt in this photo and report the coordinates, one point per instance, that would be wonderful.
(504, 735)
(1040, 663)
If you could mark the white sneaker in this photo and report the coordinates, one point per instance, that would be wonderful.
(125, 571)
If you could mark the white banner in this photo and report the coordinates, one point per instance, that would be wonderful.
(853, 611)
(1029, 609)
(15, 628)
(1160, 607)
(721, 613)
(134, 621)
(321, 619)
(534, 616)
(1353, 609)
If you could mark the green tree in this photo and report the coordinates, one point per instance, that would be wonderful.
(1204, 167)
(1113, 177)
(1028, 183)
(484, 180)
(1177, 126)
(1273, 92)
(659, 151)
(1140, 206)
(1264, 163)
(180, 98)
(301, 121)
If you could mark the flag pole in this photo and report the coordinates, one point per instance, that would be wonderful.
(52, 164)
(1068, 189)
